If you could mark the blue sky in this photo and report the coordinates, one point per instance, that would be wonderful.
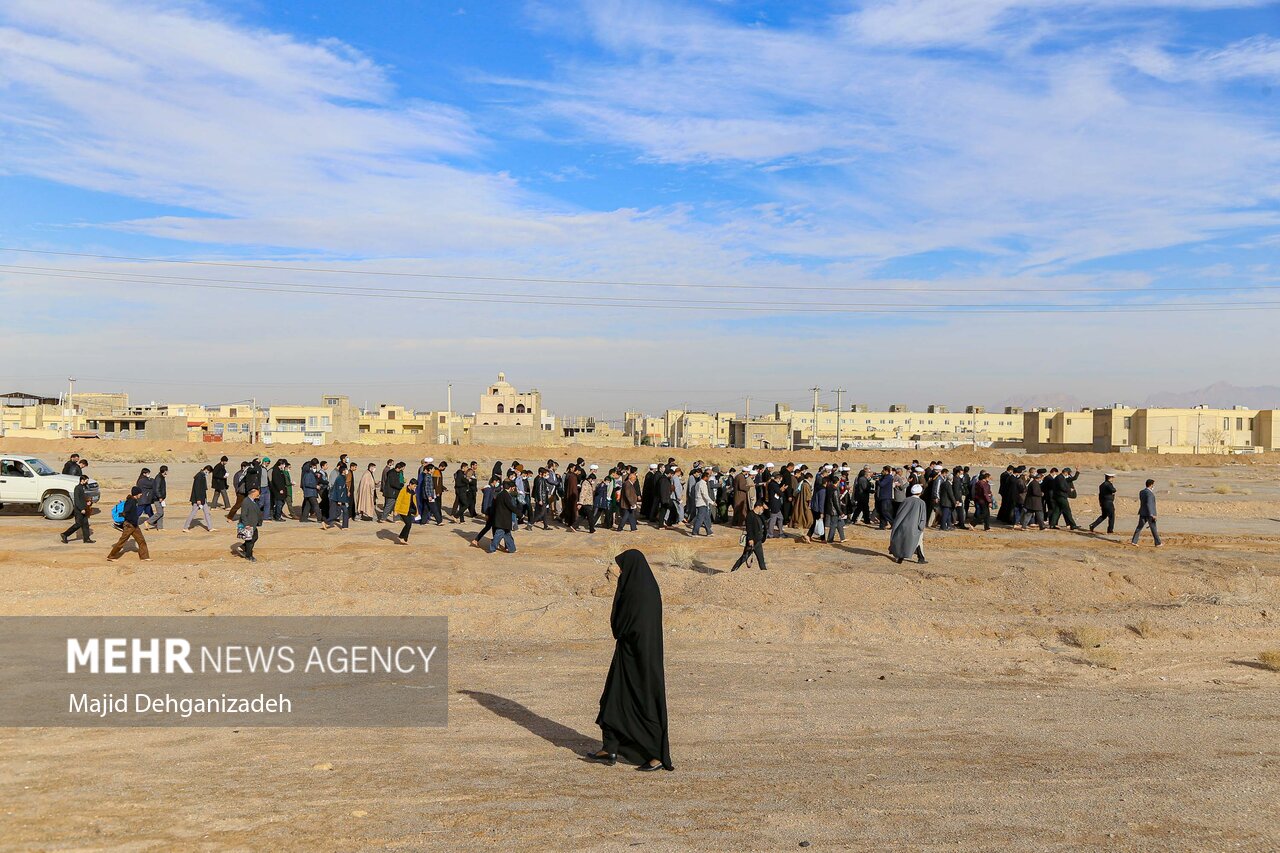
(930, 162)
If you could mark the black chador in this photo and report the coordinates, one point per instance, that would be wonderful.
(633, 707)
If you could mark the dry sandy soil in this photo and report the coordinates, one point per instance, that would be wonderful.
(837, 700)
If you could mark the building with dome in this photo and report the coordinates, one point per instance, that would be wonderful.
(502, 405)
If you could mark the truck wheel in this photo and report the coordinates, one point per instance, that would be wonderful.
(56, 507)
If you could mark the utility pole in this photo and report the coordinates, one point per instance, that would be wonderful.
(1199, 415)
(68, 414)
(815, 391)
(449, 414)
(839, 409)
(253, 420)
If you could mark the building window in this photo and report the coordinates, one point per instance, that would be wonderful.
(324, 420)
(1068, 421)
(311, 421)
(1239, 423)
(1127, 422)
(520, 408)
(501, 408)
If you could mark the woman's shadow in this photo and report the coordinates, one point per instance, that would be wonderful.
(549, 730)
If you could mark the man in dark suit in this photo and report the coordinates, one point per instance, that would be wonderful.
(1147, 513)
(199, 499)
(220, 485)
(506, 514)
(80, 504)
(754, 545)
(1064, 486)
(1106, 504)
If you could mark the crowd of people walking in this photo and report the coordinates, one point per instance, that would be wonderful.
(761, 501)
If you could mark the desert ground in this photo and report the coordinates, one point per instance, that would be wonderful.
(1022, 691)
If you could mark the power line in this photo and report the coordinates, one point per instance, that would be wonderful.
(662, 304)
(623, 283)
(350, 290)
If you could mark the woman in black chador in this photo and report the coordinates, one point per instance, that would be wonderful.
(633, 707)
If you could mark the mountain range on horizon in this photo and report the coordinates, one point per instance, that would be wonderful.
(1219, 395)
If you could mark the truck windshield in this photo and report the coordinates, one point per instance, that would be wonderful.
(39, 467)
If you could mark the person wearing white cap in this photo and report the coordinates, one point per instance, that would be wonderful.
(1106, 504)
(907, 537)
(649, 494)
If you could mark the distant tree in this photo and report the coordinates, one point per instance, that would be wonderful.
(1215, 437)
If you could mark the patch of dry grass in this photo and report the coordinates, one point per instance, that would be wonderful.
(1223, 489)
(1270, 659)
(1084, 636)
(1102, 657)
(605, 551)
(681, 557)
(1146, 629)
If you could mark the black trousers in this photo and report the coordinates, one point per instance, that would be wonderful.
(862, 509)
(81, 524)
(884, 508)
(488, 525)
(587, 514)
(1108, 514)
(310, 506)
(747, 551)
(246, 545)
(982, 513)
(408, 525)
(1061, 508)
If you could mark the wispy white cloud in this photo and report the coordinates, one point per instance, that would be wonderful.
(884, 151)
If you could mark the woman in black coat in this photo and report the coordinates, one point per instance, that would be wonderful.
(633, 707)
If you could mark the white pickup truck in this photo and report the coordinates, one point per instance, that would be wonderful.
(27, 480)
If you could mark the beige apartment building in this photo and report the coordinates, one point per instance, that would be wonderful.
(643, 429)
(937, 423)
(334, 419)
(397, 424)
(1141, 430)
(235, 422)
(696, 429)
